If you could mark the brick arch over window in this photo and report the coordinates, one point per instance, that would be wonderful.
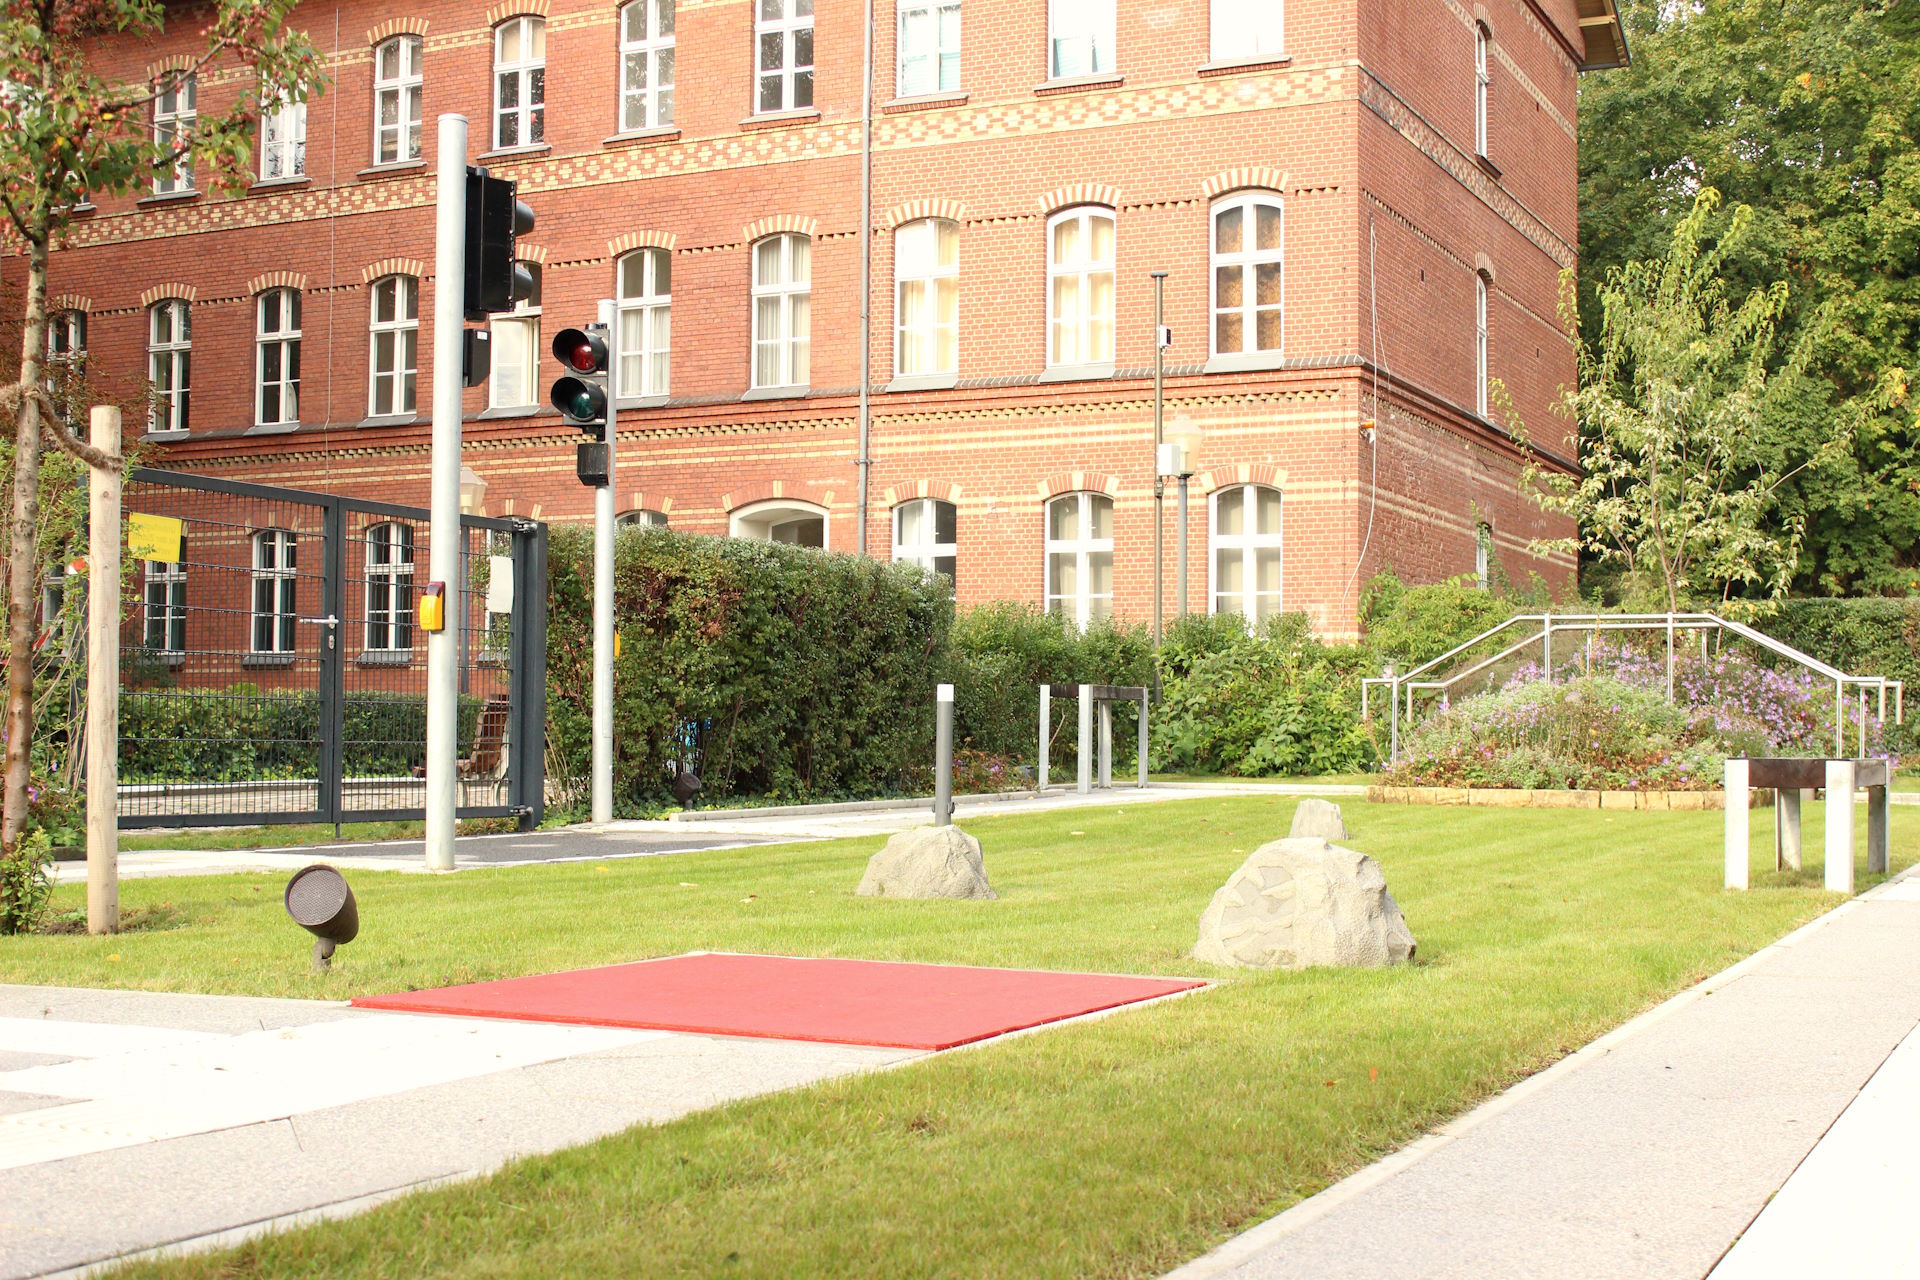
(1077, 482)
(396, 27)
(1078, 194)
(516, 9)
(524, 252)
(761, 228)
(945, 490)
(762, 491)
(163, 292)
(170, 65)
(915, 210)
(637, 501)
(1265, 473)
(1258, 177)
(277, 280)
(69, 302)
(392, 267)
(622, 245)
(1484, 266)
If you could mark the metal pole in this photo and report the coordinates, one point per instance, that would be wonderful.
(1669, 657)
(103, 679)
(1862, 691)
(1159, 438)
(1141, 761)
(1086, 739)
(1180, 572)
(1106, 744)
(1046, 717)
(603, 601)
(1839, 718)
(943, 757)
(443, 536)
(866, 281)
(1546, 644)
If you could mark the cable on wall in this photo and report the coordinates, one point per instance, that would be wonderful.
(1373, 432)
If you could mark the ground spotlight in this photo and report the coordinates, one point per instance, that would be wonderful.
(320, 902)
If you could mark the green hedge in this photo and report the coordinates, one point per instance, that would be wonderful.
(1001, 655)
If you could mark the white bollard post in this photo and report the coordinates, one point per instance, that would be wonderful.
(103, 680)
(1840, 776)
(1046, 726)
(1106, 745)
(1143, 739)
(1086, 739)
(1736, 830)
(1786, 828)
(943, 756)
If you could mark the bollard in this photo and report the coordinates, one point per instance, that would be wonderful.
(1086, 739)
(1737, 816)
(1840, 786)
(943, 758)
(1046, 727)
(1143, 738)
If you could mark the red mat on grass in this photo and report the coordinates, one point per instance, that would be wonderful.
(901, 1006)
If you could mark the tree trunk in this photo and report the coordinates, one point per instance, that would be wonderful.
(23, 556)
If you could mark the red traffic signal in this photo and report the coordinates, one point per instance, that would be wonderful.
(580, 351)
(581, 395)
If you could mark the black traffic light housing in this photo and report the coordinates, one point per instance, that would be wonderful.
(495, 279)
(581, 396)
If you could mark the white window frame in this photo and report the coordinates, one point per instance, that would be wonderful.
(941, 57)
(655, 50)
(283, 136)
(1085, 323)
(170, 410)
(928, 333)
(526, 315)
(287, 339)
(793, 349)
(1248, 261)
(1083, 546)
(1481, 343)
(1247, 30)
(66, 338)
(643, 518)
(529, 115)
(1483, 554)
(787, 27)
(1249, 542)
(389, 626)
(1088, 22)
(404, 330)
(645, 325)
(175, 108)
(1482, 85)
(281, 580)
(164, 607)
(929, 551)
(404, 88)
(756, 520)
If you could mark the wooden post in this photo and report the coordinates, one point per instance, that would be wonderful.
(103, 681)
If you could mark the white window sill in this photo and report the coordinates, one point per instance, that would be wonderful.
(1077, 372)
(1245, 362)
(923, 382)
(164, 437)
(1252, 62)
(773, 119)
(795, 392)
(640, 402)
(514, 153)
(278, 184)
(1067, 84)
(665, 133)
(925, 101)
(390, 167)
(388, 420)
(272, 428)
(515, 411)
(160, 197)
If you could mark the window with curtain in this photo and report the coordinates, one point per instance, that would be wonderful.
(1482, 81)
(169, 363)
(277, 361)
(645, 518)
(283, 136)
(1080, 262)
(1249, 277)
(396, 100)
(646, 65)
(519, 83)
(275, 591)
(783, 36)
(1247, 29)
(394, 342)
(164, 627)
(923, 534)
(390, 587)
(926, 273)
(1480, 343)
(782, 311)
(516, 349)
(1080, 556)
(1246, 551)
(645, 287)
(174, 111)
(1080, 38)
(929, 45)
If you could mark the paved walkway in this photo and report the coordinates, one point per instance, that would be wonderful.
(1651, 1151)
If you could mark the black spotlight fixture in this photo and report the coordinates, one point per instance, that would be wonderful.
(686, 787)
(320, 902)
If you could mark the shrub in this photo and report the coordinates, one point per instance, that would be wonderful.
(54, 817)
(1410, 625)
(1002, 653)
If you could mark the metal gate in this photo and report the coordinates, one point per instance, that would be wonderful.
(273, 669)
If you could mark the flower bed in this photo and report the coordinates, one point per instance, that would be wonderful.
(1512, 798)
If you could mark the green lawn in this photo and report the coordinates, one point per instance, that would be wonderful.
(1118, 1147)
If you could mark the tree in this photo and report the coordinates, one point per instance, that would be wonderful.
(68, 131)
(1804, 111)
(1678, 409)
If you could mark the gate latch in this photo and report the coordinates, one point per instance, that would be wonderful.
(330, 622)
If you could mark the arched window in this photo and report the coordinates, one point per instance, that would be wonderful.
(926, 274)
(516, 348)
(393, 344)
(782, 311)
(1480, 343)
(1249, 276)
(1080, 556)
(174, 111)
(646, 65)
(1246, 551)
(1080, 261)
(390, 587)
(169, 363)
(396, 100)
(275, 582)
(645, 284)
(923, 534)
(1482, 81)
(277, 361)
(799, 524)
(519, 83)
(646, 518)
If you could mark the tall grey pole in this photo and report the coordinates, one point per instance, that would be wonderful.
(1159, 438)
(603, 597)
(1180, 571)
(103, 679)
(943, 757)
(1046, 727)
(443, 535)
(865, 460)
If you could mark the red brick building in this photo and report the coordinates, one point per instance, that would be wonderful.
(1362, 207)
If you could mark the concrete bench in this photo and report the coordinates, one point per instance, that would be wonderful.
(1790, 780)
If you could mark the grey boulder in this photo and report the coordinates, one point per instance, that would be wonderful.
(927, 862)
(1298, 903)
(1317, 818)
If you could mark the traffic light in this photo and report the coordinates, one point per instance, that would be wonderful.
(580, 395)
(495, 280)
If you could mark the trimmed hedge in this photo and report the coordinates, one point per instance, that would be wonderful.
(1001, 655)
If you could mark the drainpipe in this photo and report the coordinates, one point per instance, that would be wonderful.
(866, 280)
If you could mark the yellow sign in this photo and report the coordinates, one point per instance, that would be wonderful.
(154, 538)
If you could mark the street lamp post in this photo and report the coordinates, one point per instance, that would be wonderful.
(1162, 339)
(1186, 436)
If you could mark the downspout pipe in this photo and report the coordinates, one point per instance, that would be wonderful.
(866, 282)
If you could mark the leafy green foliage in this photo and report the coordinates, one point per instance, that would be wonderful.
(26, 871)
